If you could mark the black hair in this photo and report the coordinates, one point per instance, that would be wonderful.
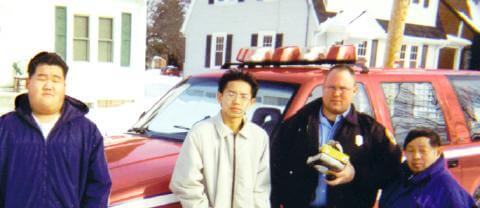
(234, 75)
(433, 137)
(47, 58)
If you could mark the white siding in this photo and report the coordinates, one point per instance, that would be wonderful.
(417, 14)
(241, 20)
(30, 28)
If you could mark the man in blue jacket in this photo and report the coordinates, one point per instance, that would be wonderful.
(51, 155)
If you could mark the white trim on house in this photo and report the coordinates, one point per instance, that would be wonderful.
(457, 41)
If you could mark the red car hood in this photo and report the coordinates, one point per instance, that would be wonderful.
(140, 167)
(127, 149)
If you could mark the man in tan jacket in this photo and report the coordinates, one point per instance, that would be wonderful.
(224, 160)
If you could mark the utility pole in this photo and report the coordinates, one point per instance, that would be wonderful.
(396, 26)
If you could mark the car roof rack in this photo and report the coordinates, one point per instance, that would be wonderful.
(292, 56)
(289, 63)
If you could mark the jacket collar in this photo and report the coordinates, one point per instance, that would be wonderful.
(437, 167)
(71, 109)
(351, 117)
(224, 131)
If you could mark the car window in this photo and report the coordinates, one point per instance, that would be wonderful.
(468, 94)
(195, 100)
(414, 105)
(361, 101)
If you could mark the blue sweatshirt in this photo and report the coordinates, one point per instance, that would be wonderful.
(433, 187)
(66, 170)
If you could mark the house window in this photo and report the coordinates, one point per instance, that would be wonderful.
(413, 56)
(401, 61)
(267, 41)
(219, 50)
(81, 38)
(362, 49)
(105, 39)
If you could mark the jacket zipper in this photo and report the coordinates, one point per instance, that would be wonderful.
(234, 170)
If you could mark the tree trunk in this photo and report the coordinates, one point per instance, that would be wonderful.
(396, 28)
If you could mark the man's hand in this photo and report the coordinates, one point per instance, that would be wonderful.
(346, 175)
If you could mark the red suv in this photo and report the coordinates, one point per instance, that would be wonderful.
(141, 162)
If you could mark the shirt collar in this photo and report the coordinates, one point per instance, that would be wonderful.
(324, 120)
(224, 131)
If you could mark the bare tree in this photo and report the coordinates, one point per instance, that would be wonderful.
(165, 18)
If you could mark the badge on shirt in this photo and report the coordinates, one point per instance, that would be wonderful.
(359, 140)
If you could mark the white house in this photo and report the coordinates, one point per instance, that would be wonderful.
(216, 29)
(102, 41)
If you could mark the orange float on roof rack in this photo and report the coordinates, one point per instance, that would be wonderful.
(290, 56)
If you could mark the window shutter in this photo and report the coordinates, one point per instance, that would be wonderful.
(61, 31)
(210, 1)
(424, 56)
(278, 40)
(254, 40)
(207, 51)
(228, 52)
(126, 39)
(373, 54)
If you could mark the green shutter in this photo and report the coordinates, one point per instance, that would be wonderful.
(126, 39)
(61, 31)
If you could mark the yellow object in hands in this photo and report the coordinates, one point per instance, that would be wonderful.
(334, 153)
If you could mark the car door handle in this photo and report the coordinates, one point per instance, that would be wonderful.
(453, 163)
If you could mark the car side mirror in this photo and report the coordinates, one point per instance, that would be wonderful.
(476, 137)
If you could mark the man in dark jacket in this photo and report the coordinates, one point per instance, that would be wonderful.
(374, 155)
(424, 180)
(51, 155)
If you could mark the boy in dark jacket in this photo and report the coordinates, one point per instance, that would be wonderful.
(51, 155)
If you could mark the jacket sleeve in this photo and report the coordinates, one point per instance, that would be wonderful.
(187, 176)
(3, 156)
(98, 178)
(281, 141)
(262, 184)
(387, 156)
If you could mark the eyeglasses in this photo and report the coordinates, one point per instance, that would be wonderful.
(342, 90)
(232, 95)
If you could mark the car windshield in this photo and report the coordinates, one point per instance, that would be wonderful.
(195, 99)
